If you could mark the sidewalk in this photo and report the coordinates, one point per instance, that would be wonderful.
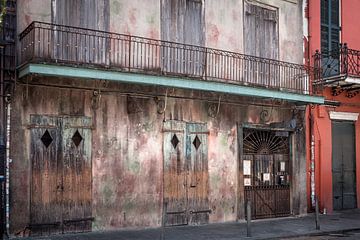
(261, 229)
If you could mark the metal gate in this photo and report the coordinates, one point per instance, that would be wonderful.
(343, 165)
(266, 173)
(186, 177)
(61, 177)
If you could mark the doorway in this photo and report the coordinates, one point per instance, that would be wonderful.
(61, 174)
(186, 176)
(266, 171)
(343, 165)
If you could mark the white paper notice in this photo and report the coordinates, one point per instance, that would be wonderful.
(266, 176)
(282, 166)
(247, 181)
(247, 167)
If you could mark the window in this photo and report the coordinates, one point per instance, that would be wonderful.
(260, 31)
(329, 25)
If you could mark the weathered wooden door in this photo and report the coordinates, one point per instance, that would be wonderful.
(185, 173)
(46, 178)
(198, 174)
(60, 156)
(343, 165)
(266, 173)
(175, 182)
(77, 175)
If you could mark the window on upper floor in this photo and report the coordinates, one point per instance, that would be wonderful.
(261, 30)
(330, 25)
(183, 21)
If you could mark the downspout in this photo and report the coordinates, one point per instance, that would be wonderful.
(312, 161)
(7, 165)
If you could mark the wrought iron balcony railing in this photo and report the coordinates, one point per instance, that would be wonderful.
(50, 43)
(335, 65)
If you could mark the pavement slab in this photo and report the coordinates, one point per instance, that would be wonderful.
(280, 228)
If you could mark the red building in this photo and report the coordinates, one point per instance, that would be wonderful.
(334, 128)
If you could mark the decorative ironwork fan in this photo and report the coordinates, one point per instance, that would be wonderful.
(264, 142)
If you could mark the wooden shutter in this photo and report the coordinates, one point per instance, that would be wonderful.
(175, 197)
(81, 45)
(77, 174)
(198, 177)
(182, 21)
(261, 40)
(46, 182)
(330, 25)
(260, 31)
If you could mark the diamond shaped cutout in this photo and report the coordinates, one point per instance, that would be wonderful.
(46, 139)
(174, 141)
(196, 142)
(77, 138)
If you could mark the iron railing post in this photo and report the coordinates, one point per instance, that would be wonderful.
(345, 59)
(129, 67)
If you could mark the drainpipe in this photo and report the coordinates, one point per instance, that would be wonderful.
(7, 165)
(312, 162)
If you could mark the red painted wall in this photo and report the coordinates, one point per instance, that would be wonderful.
(320, 114)
(350, 18)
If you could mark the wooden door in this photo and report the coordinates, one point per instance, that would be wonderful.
(61, 177)
(46, 178)
(343, 165)
(77, 181)
(186, 177)
(175, 190)
(198, 174)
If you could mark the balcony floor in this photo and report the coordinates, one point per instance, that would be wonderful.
(173, 82)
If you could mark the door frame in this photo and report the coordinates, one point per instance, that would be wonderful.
(240, 196)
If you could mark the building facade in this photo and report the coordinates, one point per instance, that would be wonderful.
(334, 149)
(133, 114)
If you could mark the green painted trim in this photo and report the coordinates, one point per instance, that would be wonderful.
(64, 71)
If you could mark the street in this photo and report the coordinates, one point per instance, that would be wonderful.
(351, 235)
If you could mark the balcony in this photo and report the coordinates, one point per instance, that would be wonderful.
(338, 69)
(120, 57)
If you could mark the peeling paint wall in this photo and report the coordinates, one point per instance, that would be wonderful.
(127, 149)
(32, 10)
(132, 17)
(127, 152)
(127, 165)
(224, 21)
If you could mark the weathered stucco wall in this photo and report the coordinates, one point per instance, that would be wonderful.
(127, 152)
(223, 22)
(127, 165)
(132, 17)
(32, 10)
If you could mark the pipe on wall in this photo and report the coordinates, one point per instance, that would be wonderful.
(7, 166)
